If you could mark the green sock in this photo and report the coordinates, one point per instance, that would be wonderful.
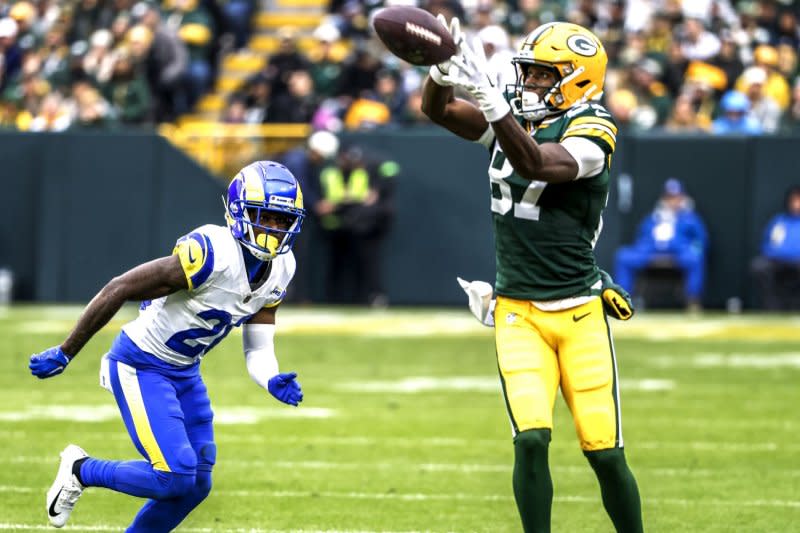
(619, 490)
(533, 487)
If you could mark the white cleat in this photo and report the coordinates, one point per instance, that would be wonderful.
(66, 489)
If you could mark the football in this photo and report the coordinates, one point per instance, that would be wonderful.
(413, 35)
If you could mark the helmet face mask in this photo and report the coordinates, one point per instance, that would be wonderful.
(264, 209)
(574, 54)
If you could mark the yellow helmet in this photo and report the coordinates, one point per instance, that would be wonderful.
(578, 59)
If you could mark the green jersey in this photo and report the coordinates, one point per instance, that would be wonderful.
(544, 232)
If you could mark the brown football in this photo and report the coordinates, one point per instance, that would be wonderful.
(414, 35)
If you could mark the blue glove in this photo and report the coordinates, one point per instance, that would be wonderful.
(49, 363)
(285, 388)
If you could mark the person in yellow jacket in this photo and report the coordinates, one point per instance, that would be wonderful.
(355, 211)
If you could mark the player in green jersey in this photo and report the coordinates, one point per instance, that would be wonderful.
(551, 146)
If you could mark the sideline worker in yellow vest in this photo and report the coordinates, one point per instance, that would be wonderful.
(355, 210)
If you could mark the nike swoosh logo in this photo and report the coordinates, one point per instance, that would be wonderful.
(191, 259)
(52, 511)
(581, 317)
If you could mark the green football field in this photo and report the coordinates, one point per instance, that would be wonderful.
(403, 427)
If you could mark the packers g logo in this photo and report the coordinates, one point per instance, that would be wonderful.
(582, 45)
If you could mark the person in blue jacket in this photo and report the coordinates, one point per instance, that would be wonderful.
(674, 234)
(735, 118)
(779, 262)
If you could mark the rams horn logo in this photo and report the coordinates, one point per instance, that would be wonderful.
(582, 45)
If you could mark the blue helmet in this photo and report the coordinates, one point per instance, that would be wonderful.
(735, 102)
(258, 187)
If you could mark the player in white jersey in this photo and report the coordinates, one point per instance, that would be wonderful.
(217, 278)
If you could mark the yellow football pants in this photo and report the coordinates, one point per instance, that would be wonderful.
(539, 350)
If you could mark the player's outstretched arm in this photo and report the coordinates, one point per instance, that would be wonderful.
(147, 281)
(457, 115)
(548, 162)
(439, 102)
(258, 340)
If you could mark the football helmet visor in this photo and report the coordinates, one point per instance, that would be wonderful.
(260, 187)
(577, 58)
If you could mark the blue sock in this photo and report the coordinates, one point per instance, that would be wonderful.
(136, 478)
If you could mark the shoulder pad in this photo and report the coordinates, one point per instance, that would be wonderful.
(197, 257)
(594, 122)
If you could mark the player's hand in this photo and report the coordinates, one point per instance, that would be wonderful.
(49, 363)
(285, 389)
(437, 72)
(469, 70)
(616, 300)
(481, 303)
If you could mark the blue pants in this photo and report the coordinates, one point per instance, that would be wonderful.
(630, 260)
(169, 420)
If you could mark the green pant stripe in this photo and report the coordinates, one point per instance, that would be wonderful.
(618, 442)
(505, 398)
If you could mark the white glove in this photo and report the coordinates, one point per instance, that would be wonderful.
(481, 303)
(437, 72)
(469, 71)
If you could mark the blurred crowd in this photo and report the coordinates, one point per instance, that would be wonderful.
(102, 63)
(717, 66)
(720, 66)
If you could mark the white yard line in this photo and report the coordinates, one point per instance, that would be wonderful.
(38, 527)
(456, 321)
(464, 468)
(460, 496)
(711, 446)
(105, 413)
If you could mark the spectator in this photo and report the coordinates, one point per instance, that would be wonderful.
(88, 16)
(791, 120)
(236, 15)
(777, 269)
(326, 68)
(92, 111)
(728, 59)
(306, 163)
(98, 62)
(10, 52)
(355, 211)
(166, 62)
(697, 42)
(683, 118)
(235, 111)
(127, 91)
(673, 235)
(653, 100)
(776, 86)
(52, 116)
(24, 14)
(762, 107)
(389, 91)
(284, 62)
(359, 74)
(735, 118)
(367, 112)
(257, 97)
(195, 27)
(297, 104)
(497, 47)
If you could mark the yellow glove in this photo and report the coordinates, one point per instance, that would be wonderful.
(616, 300)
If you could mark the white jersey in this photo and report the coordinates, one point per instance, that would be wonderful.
(181, 327)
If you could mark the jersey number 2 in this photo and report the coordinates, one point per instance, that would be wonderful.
(218, 331)
(526, 208)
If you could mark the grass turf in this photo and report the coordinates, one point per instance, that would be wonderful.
(403, 427)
